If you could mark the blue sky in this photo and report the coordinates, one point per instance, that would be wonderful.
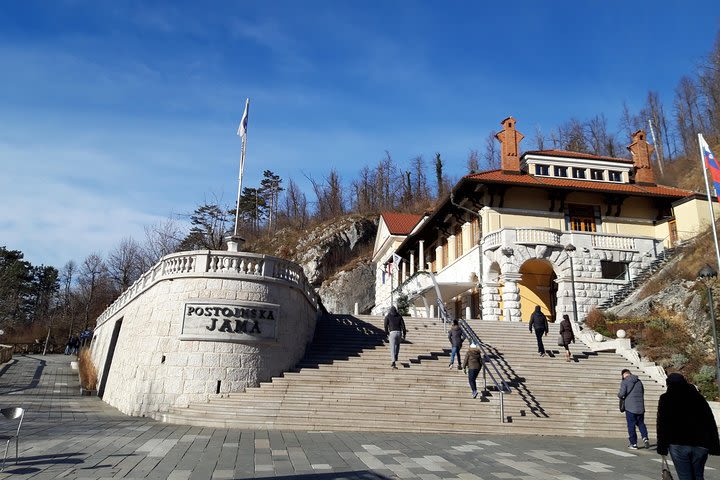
(115, 115)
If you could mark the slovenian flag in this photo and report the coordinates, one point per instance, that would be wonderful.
(711, 164)
(242, 129)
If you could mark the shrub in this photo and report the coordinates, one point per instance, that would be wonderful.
(403, 305)
(596, 320)
(88, 372)
(678, 360)
(705, 380)
(659, 323)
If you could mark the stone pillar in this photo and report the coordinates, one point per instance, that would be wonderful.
(421, 256)
(468, 313)
(468, 241)
(451, 249)
(491, 301)
(412, 263)
(439, 258)
(511, 297)
(404, 270)
(432, 310)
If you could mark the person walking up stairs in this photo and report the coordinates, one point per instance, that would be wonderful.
(395, 330)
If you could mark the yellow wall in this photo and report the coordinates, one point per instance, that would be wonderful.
(693, 216)
(537, 277)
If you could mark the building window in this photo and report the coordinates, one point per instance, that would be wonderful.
(596, 174)
(581, 218)
(614, 270)
(561, 171)
(578, 172)
(542, 169)
(614, 176)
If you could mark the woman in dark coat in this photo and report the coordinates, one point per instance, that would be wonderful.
(566, 332)
(686, 428)
(473, 362)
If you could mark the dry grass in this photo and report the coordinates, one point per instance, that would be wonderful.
(88, 372)
(689, 261)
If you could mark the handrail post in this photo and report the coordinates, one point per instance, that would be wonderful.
(502, 406)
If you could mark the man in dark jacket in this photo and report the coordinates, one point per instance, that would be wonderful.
(395, 330)
(686, 428)
(455, 336)
(539, 322)
(632, 390)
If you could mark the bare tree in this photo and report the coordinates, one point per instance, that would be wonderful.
(125, 263)
(330, 203)
(92, 273)
(161, 238)
(492, 152)
(296, 204)
(473, 161)
(539, 139)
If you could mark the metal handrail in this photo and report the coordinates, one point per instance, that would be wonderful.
(501, 386)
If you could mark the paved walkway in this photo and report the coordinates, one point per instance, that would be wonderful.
(69, 436)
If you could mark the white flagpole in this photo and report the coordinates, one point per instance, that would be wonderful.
(243, 131)
(702, 141)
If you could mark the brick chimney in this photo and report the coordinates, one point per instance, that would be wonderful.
(641, 151)
(509, 146)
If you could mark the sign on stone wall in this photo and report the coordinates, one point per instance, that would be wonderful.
(230, 322)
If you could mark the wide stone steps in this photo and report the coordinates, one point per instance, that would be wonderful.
(345, 383)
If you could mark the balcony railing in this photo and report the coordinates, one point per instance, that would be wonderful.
(552, 237)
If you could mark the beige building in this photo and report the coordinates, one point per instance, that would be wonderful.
(551, 228)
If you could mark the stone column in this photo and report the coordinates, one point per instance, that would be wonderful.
(451, 249)
(432, 310)
(439, 258)
(404, 270)
(421, 256)
(468, 242)
(412, 263)
(511, 297)
(491, 301)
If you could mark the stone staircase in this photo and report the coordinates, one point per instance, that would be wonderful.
(345, 382)
(660, 261)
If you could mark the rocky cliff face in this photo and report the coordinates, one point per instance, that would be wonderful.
(336, 259)
(348, 287)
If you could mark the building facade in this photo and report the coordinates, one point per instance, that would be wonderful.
(557, 229)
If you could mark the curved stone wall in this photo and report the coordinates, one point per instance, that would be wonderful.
(202, 323)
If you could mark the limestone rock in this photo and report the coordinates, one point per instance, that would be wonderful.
(340, 293)
(330, 246)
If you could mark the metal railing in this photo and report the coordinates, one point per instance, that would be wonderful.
(489, 368)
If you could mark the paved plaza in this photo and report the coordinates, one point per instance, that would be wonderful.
(69, 436)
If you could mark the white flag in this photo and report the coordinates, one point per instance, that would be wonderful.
(242, 129)
(396, 261)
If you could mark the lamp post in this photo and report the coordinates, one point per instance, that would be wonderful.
(706, 273)
(569, 248)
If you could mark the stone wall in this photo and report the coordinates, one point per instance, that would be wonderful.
(6, 352)
(165, 356)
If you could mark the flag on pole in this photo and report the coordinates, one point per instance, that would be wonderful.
(242, 129)
(396, 261)
(711, 164)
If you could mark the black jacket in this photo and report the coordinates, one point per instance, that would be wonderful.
(567, 332)
(538, 321)
(455, 336)
(394, 322)
(684, 418)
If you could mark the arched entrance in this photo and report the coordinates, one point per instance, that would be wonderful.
(537, 287)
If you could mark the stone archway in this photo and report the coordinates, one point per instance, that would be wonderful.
(537, 287)
(502, 276)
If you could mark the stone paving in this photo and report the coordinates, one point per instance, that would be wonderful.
(65, 435)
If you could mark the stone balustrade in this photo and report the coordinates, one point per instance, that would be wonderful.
(218, 264)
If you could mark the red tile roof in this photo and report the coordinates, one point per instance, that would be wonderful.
(400, 223)
(566, 153)
(498, 176)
